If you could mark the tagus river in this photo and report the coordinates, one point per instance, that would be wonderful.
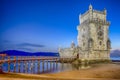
(32, 67)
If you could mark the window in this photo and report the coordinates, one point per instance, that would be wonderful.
(83, 44)
(99, 27)
(83, 36)
(100, 42)
(83, 29)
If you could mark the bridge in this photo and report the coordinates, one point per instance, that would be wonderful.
(41, 61)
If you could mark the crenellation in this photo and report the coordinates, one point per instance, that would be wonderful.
(99, 12)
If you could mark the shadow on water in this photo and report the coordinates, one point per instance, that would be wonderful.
(81, 66)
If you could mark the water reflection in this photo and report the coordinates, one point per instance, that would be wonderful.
(39, 67)
(81, 66)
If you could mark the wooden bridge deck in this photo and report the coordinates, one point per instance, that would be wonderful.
(29, 59)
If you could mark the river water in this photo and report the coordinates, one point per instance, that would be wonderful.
(34, 68)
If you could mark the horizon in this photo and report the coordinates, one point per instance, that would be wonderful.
(113, 55)
(46, 25)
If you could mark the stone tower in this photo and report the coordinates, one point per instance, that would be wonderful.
(93, 39)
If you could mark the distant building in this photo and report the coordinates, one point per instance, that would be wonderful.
(93, 39)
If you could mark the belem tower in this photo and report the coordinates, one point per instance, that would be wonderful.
(93, 39)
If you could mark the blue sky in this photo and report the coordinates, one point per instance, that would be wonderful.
(45, 25)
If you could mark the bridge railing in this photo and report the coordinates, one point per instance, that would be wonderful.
(20, 58)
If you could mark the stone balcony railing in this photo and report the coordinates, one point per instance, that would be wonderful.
(100, 21)
(96, 20)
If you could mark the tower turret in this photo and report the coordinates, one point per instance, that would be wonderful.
(72, 44)
(90, 7)
(105, 11)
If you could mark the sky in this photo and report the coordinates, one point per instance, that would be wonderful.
(46, 25)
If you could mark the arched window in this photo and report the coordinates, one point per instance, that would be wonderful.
(100, 43)
(90, 42)
(108, 44)
(83, 36)
(83, 43)
(99, 27)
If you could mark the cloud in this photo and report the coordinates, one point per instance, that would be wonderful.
(115, 49)
(6, 41)
(26, 49)
(30, 45)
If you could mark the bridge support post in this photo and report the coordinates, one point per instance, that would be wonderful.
(14, 66)
(1, 67)
(43, 66)
(62, 63)
(8, 63)
(50, 64)
(27, 66)
(47, 64)
(38, 66)
(19, 66)
(24, 66)
(8, 66)
(56, 63)
(33, 66)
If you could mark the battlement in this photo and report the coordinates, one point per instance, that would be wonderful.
(92, 14)
(96, 20)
